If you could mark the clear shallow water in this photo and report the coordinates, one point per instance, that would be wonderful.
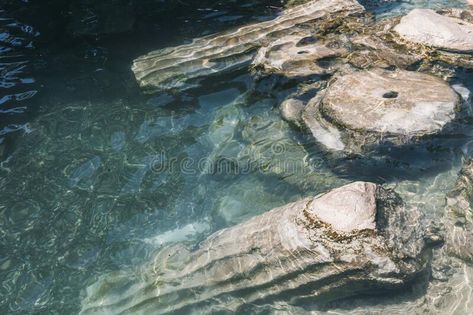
(102, 177)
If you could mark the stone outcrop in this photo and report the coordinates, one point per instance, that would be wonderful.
(459, 221)
(315, 39)
(299, 55)
(352, 240)
(424, 26)
(366, 107)
(183, 66)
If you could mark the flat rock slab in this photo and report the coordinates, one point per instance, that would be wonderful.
(424, 26)
(401, 102)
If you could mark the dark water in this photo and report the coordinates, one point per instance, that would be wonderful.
(96, 177)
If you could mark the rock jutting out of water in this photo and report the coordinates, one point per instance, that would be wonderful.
(182, 66)
(424, 26)
(352, 240)
(366, 107)
(314, 39)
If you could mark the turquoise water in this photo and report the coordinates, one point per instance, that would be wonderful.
(98, 177)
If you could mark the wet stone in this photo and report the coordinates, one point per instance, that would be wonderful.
(369, 106)
(346, 242)
(291, 111)
(424, 26)
(459, 218)
(184, 66)
(298, 55)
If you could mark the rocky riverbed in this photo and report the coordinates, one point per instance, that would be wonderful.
(364, 87)
(237, 157)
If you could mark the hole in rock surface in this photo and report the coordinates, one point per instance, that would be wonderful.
(306, 41)
(391, 94)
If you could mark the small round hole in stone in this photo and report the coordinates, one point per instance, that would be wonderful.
(391, 94)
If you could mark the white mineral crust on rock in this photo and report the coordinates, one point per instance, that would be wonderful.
(425, 26)
(348, 208)
(400, 104)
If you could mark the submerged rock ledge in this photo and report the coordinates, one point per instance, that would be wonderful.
(352, 240)
(180, 67)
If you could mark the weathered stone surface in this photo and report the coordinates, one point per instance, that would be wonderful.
(459, 222)
(181, 66)
(291, 111)
(298, 55)
(427, 27)
(379, 104)
(349, 241)
(396, 102)
(359, 215)
(376, 51)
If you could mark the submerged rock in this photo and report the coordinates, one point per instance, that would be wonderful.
(368, 107)
(352, 240)
(459, 221)
(182, 66)
(298, 55)
(424, 26)
(291, 110)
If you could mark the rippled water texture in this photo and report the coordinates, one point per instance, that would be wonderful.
(100, 177)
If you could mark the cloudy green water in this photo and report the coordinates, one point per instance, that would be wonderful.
(100, 176)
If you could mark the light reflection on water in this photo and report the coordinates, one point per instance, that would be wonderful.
(89, 187)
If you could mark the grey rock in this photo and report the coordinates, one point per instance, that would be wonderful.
(424, 26)
(365, 107)
(352, 240)
(182, 66)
